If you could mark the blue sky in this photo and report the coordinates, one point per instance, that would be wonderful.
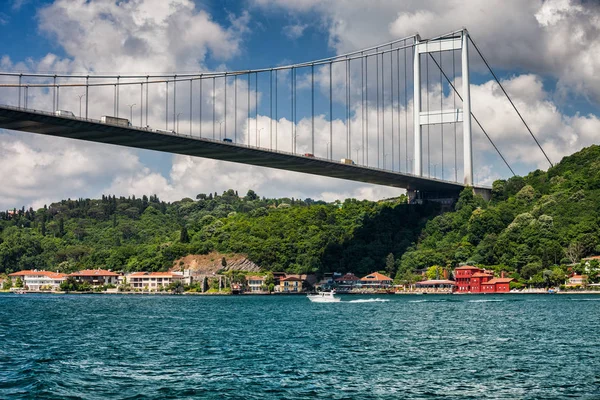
(544, 51)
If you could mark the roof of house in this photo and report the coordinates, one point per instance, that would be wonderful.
(436, 282)
(347, 277)
(578, 276)
(291, 279)
(94, 272)
(480, 275)
(35, 272)
(375, 276)
(592, 258)
(467, 267)
(498, 280)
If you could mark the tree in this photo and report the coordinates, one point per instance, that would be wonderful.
(574, 252)
(7, 284)
(390, 265)
(183, 236)
(176, 286)
(435, 272)
(19, 282)
(223, 262)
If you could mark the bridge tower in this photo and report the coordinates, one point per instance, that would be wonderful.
(443, 116)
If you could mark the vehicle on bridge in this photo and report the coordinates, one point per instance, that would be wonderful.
(64, 113)
(309, 155)
(227, 140)
(347, 161)
(107, 119)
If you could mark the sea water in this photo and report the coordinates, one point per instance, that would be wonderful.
(285, 347)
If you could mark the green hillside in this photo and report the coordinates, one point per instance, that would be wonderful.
(531, 224)
(288, 235)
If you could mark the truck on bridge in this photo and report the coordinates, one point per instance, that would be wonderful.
(107, 119)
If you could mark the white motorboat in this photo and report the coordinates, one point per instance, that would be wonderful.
(323, 297)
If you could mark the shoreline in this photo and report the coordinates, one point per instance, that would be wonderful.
(584, 292)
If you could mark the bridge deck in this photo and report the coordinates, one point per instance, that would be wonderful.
(95, 131)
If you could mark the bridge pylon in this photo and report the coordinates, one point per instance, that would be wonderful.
(442, 116)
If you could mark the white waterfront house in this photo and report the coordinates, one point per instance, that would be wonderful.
(152, 281)
(35, 280)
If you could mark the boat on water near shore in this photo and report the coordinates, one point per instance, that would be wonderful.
(323, 297)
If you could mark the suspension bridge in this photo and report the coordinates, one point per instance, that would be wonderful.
(383, 105)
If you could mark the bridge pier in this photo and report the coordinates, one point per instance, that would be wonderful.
(446, 198)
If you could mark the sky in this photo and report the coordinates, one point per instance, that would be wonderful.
(547, 54)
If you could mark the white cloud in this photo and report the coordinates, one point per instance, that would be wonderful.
(294, 31)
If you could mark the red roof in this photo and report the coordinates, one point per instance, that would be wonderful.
(255, 278)
(498, 280)
(94, 272)
(376, 276)
(33, 272)
(480, 275)
(291, 279)
(468, 267)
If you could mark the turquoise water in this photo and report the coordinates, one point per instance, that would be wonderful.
(414, 347)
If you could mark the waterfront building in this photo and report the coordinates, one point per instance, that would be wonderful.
(35, 280)
(290, 284)
(577, 280)
(376, 280)
(496, 285)
(152, 281)
(255, 283)
(96, 277)
(436, 286)
(470, 279)
(347, 282)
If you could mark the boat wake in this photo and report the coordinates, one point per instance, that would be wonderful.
(368, 301)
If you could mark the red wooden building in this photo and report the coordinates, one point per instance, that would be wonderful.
(470, 279)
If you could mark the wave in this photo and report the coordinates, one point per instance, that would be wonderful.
(485, 301)
(368, 301)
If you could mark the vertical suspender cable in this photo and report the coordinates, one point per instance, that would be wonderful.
(20, 82)
(87, 93)
(442, 108)
(213, 107)
(225, 117)
(295, 139)
(312, 105)
(201, 100)
(53, 93)
(405, 107)
(276, 113)
(382, 111)
(142, 104)
(191, 102)
(235, 109)
(398, 112)
(271, 109)
(348, 113)
(167, 107)
(392, 102)
(330, 111)
(256, 105)
(118, 87)
(292, 109)
(362, 105)
(377, 96)
(175, 126)
(367, 107)
(248, 119)
(147, 104)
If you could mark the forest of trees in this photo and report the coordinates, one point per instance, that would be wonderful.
(531, 225)
(129, 234)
